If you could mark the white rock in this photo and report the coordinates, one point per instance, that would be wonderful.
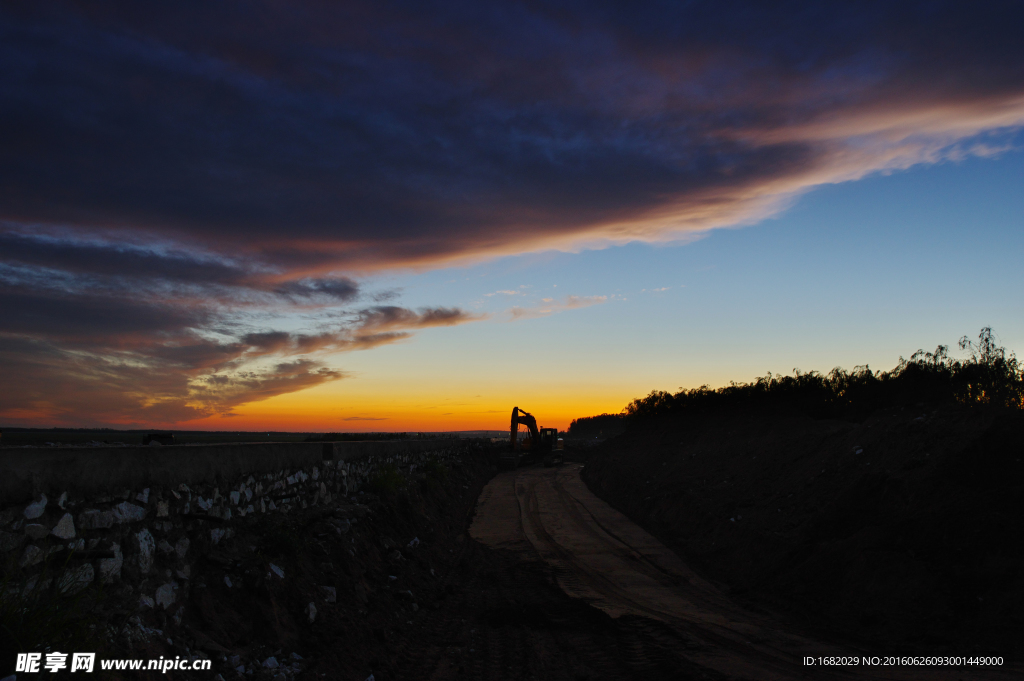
(164, 546)
(77, 545)
(143, 496)
(216, 534)
(271, 663)
(311, 611)
(165, 595)
(277, 571)
(73, 581)
(33, 554)
(184, 573)
(181, 548)
(316, 473)
(146, 546)
(204, 504)
(235, 497)
(248, 494)
(290, 478)
(227, 581)
(126, 512)
(146, 601)
(110, 568)
(65, 528)
(62, 499)
(250, 509)
(163, 508)
(36, 508)
(330, 594)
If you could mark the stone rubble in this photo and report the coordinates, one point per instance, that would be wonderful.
(36, 530)
(166, 595)
(36, 508)
(65, 527)
(73, 581)
(144, 543)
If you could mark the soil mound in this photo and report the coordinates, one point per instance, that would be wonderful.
(900, 532)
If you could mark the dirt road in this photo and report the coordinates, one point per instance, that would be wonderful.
(599, 557)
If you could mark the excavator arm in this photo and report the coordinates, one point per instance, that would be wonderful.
(525, 418)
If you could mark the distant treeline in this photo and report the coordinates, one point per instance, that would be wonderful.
(604, 425)
(989, 376)
(352, 437)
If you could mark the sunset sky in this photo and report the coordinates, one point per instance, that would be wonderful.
(368, 216)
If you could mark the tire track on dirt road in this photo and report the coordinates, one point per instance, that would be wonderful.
(670, 619)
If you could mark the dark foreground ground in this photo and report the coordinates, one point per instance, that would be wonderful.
(912, 545)
(454, 610)
(902, 532)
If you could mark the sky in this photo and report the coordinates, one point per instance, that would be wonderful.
(413, 216)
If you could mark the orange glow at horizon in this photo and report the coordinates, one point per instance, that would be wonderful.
(314, 411)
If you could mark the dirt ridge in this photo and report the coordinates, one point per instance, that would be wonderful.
(897, 532)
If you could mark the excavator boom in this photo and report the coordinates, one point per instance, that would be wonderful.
(540, 444)
(523, 417)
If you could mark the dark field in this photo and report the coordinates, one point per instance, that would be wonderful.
(80, 437)
(900, 531)
(17, 437)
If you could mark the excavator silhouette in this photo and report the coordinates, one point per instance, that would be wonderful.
(536, 444)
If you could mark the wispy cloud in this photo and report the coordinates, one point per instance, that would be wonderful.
(549, 306)
(91, 337)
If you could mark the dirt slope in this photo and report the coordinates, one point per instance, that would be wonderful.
(901, 531)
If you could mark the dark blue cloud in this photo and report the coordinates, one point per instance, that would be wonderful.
(394, 131)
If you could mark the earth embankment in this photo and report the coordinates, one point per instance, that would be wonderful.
(899, 532)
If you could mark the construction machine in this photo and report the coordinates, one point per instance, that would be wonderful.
(529, 443)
